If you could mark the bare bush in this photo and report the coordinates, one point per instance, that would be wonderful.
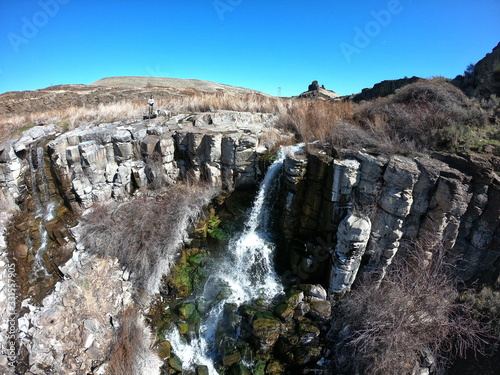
(144, 233)
(413, 311)
(132, 353)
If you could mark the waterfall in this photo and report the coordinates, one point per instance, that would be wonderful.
(246, 273)
(45, 205)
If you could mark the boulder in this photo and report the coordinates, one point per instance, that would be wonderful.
(266, 328)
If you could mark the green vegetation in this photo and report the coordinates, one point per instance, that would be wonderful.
(26, 127)
(213, 228)
(426, 115)
(187, 273)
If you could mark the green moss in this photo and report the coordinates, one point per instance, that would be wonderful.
(270, 157)
(175, 363)
(259, 368)
(183, 327)
(164, 349)
(187, 273)
(294, 297)
(284, 311)
(186, 311)
(26, 127)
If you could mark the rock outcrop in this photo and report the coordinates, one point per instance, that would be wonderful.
(382, 89)
(451, 199)
(45, 172)
(483, 80)
(314, 91)
(338, 218)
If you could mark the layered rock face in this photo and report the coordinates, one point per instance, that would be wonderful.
(113, 160)
(44, 169)
(339, 217)
(358, 209)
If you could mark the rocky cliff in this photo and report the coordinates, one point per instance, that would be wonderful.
(482, 79)
(338, 216)
(357, 209)
(46, 177)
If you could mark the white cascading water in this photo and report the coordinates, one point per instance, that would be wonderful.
(45, 206)
(245, 274)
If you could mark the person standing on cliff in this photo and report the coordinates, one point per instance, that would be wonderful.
(151, 103)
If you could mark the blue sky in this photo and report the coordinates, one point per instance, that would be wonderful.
(263, 45)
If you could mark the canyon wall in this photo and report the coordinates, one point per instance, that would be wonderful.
(338, 216)
(357, 209)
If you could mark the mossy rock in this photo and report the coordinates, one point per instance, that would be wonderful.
(239, 369)
(162, 327)
(182, 281)
(231, 357)
(259, 368)
(247, 311)
(294, 297)
(274, 367)
(197, 259)
(247, 353)
(225, 293)
(284, 311)
(183, 327)
(308, 331)
(202, 370)
(267, 328)
(175, 363)
(320, 309)
(186, 274)
(164, 349)
(187, 311)
(307, 354)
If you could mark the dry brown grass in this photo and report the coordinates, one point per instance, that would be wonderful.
(121, 360)
(133, 110)
(330, 123)
(426, 115)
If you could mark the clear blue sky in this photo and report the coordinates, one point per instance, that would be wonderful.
(258, 44)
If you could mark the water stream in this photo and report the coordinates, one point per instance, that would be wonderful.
(245, 273)
(44, 203)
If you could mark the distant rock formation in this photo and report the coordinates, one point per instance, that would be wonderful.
(384, 88)
(314, 91)
(314, 86)
(483, 79)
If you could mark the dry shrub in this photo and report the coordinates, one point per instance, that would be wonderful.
(320, 120)
(414, 310)
(132, 354)
(144, 233)
(429, 114)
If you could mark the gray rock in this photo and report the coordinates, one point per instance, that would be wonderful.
(316, 291)
(352, 238)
